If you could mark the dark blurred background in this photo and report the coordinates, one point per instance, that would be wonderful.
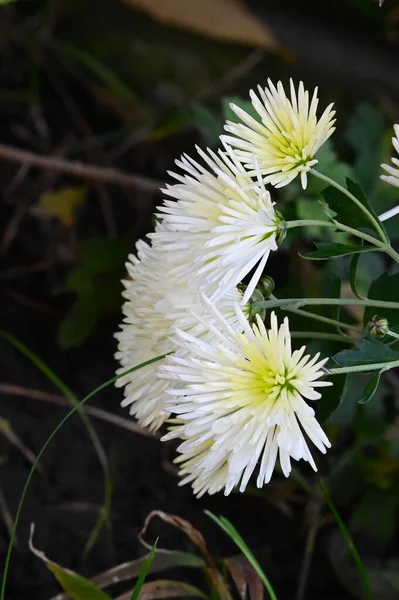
(97, 100)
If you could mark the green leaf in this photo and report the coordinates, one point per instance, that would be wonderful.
(370, 388)
(353, 273)
(365, 135)
(96, 281)
(368, 351)
(385, 287)
(347, 211)
(331, 397)
(143, 573)
(327, 251)
(77, 586)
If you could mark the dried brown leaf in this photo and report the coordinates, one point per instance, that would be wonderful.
(225, 20)
(165, 588)
(245, 578)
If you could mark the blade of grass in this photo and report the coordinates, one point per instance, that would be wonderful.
(232, 532)
(361, 569)
(103, 73)
(143, 573)
(60, 424)
(102, 457)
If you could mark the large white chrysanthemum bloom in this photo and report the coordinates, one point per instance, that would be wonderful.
(287, 138)
(393, 171)
(220, 220)
(239, 399)
(155, 304)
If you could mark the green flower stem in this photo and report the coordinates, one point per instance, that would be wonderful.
(321, 335)
(299, 302)
(335, 225)
(384, 247)
(347, 193)
(385, 366)
(334, 322)
(393, 334)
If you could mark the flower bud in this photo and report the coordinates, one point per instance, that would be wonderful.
(378, 326)
(266, 285)
(255, 307)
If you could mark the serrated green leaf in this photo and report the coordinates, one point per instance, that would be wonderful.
(370, 388)
(327, 251)
(331, 397)
(368, 351)
(385, 287)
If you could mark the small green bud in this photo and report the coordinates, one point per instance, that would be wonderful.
(281, 228)
(255, 307)
(378, 326)
(267, 285)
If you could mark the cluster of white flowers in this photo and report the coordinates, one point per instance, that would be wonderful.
(232, 391)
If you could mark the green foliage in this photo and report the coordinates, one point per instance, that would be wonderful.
(331, 398)
(327, 251)
(365, 135)
(347, 211)
(384, 287)
(96, 283)
(368, 352)
(371, 388)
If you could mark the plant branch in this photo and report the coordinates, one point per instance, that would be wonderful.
(347, 193)
(78, 169)
(295, 303)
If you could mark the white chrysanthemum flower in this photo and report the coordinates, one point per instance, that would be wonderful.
(287, 139)
(240, 398)
(393, 171)
(155, 304)
(223, 223)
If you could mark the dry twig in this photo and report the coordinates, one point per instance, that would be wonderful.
(78, 169)
(16, 390)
